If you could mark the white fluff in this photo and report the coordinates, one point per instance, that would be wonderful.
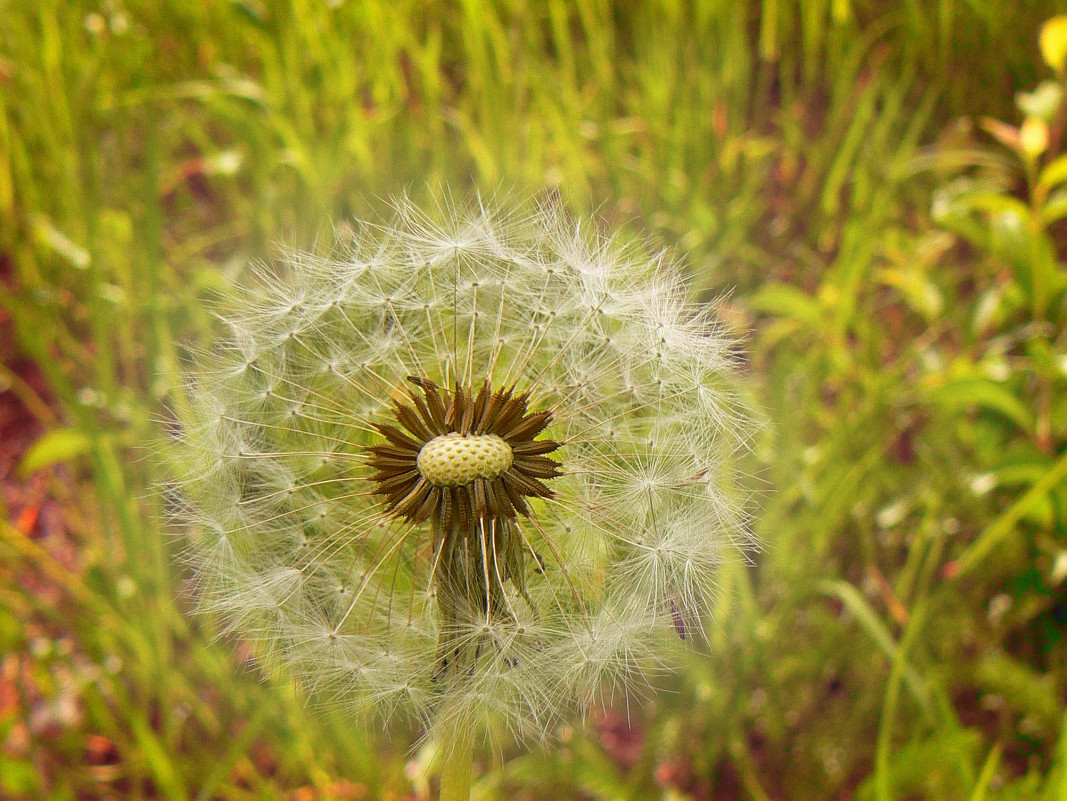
(298, 555)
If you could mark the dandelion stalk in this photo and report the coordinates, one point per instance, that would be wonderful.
(470, 472)
(456, 771)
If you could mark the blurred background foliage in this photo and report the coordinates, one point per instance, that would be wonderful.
(877, 188)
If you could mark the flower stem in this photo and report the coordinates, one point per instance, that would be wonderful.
(456, 771)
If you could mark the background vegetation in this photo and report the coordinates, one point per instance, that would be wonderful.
(851, 172)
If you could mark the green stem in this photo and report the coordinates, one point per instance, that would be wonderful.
(456, 771)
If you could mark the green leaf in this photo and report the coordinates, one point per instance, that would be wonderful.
(1054, 174)
(922, 294)
(996, 532)
(1029, 692)
(19, 777)
(1055, 207)
(250, 12)
(985, 778)
(159, 760)
(787, 301)
(1053, 42)
(926, 767)
(987, 394)
(869, 621)
(60, 445)
(1039, 272)
(1059, 766)
(993, 203)
(50, 236)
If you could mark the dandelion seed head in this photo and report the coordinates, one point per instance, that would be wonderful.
(474, 472)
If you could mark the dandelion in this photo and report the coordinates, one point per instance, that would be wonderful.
(472, 472)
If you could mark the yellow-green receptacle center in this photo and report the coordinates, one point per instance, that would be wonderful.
(454, 460)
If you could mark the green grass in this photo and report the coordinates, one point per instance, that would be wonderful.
(896, 275)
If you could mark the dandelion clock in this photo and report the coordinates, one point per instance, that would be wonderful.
(473, 472)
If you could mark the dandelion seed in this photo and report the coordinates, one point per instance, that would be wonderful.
(470, 473)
